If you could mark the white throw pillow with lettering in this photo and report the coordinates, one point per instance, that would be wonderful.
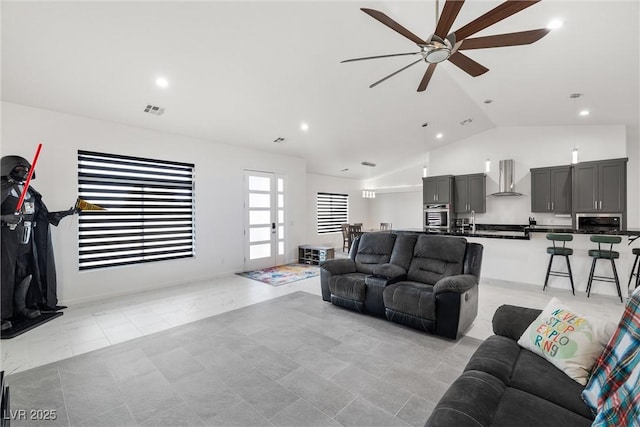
(571, 341)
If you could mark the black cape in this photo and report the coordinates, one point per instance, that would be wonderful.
(43, 290)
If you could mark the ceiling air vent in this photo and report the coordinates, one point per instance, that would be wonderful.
(368, 164)
(154, 109)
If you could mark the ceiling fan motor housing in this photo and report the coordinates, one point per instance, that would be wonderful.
(436, 50)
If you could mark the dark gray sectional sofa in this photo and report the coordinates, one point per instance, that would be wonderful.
(429, 282)
(504, 385)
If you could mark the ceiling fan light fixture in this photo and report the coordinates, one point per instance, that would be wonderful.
(436, 50)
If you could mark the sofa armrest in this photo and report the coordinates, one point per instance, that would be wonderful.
(334, 267)
(511, 321)
(458, 284)
(389, 271)
(339, 266)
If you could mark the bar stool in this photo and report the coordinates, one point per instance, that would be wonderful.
(636, 252)
(609, 254)
(562, 251)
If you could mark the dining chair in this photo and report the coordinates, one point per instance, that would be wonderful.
(385, 226)
(345, 236)
(354, 230)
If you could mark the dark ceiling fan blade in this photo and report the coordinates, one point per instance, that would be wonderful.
(427, 76)
(449, 13)
(467, 64)
(379, 56)
(394, 73)
(393, 25)
(502, 40)
(496, 14)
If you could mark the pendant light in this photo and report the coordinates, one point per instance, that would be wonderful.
(366, 193)
(574, 152)
(487, 162)
(425, 167)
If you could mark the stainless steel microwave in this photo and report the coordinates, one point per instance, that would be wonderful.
(599, 222)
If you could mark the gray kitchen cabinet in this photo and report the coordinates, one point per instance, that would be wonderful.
(437, 189)
(600, 186)
(470, 193)
(551, 189)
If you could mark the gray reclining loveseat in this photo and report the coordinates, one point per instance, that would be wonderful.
(429, 282)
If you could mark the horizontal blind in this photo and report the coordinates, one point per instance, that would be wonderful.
(149, 210)
(333, 210)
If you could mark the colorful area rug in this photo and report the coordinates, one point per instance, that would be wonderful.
(283, 274)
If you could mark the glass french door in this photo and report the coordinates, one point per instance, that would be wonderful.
(264, 220)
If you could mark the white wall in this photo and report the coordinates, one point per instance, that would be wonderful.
(402, 209)
(219, 196)
(358, 207)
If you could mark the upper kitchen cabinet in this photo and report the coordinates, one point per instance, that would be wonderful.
(470, 193)
(600, 186)
(437, 189)
(551, 189)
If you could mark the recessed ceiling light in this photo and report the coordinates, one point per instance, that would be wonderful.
(304, 126)
(584, 112)
(554, 24)
(162, 82)
(439, 136)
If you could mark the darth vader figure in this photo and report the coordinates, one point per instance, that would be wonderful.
(28, 270)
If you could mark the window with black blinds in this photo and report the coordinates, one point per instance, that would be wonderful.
(148, 210)
(333, 210)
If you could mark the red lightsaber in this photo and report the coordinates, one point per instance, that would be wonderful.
(29, 175)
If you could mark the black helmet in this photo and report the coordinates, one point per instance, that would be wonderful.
(15, 167)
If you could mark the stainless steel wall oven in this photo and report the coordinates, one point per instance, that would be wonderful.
(438, 217)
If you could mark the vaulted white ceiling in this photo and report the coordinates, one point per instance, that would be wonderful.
(246, 73)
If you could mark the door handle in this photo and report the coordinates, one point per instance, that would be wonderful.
(600, 204)
(273, 227)
(551, 205)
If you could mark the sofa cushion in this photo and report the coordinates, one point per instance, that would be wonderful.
(571, 341)
(412, 298)
(516, 367)
(403, 250)
(435, 257)
(477, 398)
(348, 286)
(374, 249)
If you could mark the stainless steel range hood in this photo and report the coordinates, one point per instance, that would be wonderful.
(506, 184)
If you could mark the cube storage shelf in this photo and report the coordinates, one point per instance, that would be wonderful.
(314, 255)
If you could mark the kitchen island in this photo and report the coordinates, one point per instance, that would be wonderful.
(517, 253)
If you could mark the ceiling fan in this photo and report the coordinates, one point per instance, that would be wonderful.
(442, 45)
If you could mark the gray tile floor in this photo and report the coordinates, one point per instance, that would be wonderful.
(291, 361)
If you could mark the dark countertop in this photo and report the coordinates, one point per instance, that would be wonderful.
(490, 231)
(518, 231)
